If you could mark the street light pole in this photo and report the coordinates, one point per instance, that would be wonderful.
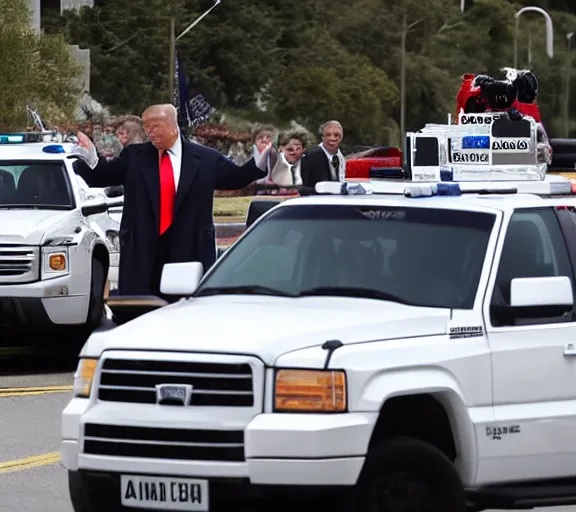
(174, 40)
(569, 36)
(549, 31)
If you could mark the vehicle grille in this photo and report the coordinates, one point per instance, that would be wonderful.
(18, 264)
(214, 384)
(164, 443)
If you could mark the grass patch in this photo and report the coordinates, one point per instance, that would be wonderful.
(234, 209)
(231, 206)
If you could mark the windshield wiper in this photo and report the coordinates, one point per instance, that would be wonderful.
(242, 290)
(349, 291)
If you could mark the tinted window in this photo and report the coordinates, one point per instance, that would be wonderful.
(421, 256)
(41, 184)
(534, 247)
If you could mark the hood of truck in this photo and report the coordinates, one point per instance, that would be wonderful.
(267, 327)
(27, 227)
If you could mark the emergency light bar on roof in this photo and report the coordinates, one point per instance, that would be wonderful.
(481, 147)
(25, 137)
(552, 185)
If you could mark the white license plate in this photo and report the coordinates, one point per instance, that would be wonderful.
(162, 493)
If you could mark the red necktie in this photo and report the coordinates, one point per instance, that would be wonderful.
(167, 192)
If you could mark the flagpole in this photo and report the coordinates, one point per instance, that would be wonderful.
(174, 40)
(172, 71)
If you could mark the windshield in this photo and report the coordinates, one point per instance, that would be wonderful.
(416, 256)
(37, 184)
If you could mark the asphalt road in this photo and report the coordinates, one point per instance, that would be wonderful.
(33, 392)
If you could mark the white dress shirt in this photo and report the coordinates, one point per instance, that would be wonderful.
(175, 154)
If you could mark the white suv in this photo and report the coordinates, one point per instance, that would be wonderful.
(401, 353)
(54, 258)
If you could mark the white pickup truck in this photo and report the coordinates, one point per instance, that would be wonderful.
(55, 239)
(388, 350)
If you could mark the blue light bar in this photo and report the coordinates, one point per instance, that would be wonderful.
(354, 189)
(54, 148)
(476, 142)
(12, 139)
(434, 189)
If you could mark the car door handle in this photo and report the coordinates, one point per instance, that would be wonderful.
(570, 350)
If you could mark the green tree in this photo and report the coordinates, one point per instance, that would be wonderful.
(34, 70)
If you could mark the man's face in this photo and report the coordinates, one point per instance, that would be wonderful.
(293, 151)
(332, 137)
(262, 140)
(161, 129)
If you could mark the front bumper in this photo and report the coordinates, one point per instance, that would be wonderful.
(279, 449)
(42, 304)
(104, 490)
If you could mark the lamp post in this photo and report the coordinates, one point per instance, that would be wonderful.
(570, 37)
(549, 31)
(174, 40)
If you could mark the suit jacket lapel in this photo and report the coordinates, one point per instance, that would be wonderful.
(188, 170)
(150, 170)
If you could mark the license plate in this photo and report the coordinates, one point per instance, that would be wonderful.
(161, 493)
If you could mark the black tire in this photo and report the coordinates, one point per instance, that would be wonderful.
(404, 474)
(96, 305)
(85, 499)
(78, 494)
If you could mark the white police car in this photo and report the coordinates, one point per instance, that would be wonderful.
(56, 238)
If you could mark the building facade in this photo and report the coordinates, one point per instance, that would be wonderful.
(39, 7)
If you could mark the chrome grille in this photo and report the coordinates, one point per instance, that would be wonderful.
(18, 264)
(164, 443)
(214, 384)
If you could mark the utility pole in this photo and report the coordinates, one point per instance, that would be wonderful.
(403, 37)
(570, 37)
(172, 68)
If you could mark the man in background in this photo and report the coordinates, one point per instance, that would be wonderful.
(324, 162)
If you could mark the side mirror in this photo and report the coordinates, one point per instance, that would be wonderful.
(181, 278)
(257, 208)
(114, 191)
(94, 206)
(532, 292)
(126, 308)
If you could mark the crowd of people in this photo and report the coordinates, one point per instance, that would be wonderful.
(169, 185)
(287, 168)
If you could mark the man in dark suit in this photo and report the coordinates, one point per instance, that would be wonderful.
(169, 186)
(324, 162)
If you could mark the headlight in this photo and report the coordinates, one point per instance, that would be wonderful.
(113, 240)
(84, 376)
(310, 391)
(54, 261)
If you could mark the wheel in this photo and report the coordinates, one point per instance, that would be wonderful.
(84, 500)
(96, 305)
(408, 475)
(78, 494)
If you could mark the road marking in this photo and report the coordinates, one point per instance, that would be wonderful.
(11, 392)
(30, 462)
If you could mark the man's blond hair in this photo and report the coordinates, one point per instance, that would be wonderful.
(163, 110)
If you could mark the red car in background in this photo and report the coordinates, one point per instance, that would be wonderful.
(374, 162)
